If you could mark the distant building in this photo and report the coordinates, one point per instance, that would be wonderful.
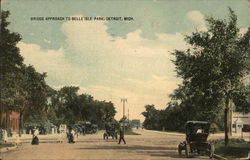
(241, 121)
(135, 123)
(10, 120)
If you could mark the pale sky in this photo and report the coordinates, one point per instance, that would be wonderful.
(114, 59)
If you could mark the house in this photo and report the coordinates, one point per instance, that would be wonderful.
(10, 120)
(241, 121)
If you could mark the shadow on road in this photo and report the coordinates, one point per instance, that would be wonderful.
(127, 147)
(140, 150)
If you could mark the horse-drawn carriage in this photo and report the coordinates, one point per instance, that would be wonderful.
(196, 139)
(110, 131)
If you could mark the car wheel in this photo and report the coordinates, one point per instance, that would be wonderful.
(211, 150)
(180, 149)
(187, 150)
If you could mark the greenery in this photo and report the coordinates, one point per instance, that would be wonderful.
(6, 145)
(235, 149)
(212, 69)
(68, 107)
(129, 131)
(23, 89)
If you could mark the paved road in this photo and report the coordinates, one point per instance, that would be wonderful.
(147, 146)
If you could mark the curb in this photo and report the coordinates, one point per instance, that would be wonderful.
(219, 157)
(6, 149)
(167, 133)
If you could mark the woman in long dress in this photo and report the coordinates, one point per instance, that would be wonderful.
(35, 140)
(5, 136)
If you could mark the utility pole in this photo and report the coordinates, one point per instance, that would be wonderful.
(123, 100)
(128, 118)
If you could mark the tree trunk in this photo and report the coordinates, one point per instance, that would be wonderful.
(1, 116)
(230, 114)
(21, 124)
(226, 121)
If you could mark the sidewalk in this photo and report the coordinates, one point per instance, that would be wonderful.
(246, 135)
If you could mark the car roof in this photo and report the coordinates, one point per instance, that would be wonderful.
(197, 122)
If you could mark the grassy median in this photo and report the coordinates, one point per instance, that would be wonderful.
(6, 145)
(235, 149)
(129, 131)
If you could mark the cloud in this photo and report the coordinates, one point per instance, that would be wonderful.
(110, 68)
(91, 38)
(47, 41)
(51, 61)
(243, 31)
(197, 18)
(136, 94)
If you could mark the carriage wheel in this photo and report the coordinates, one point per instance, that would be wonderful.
(187, 150)
(179, 149)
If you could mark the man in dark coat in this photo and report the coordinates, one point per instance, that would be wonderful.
(121, 136)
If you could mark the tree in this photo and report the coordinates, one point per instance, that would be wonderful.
(68, 107)
(21, 87)
(10, 62)
(32, 94)
(215, 64)
(151, 117)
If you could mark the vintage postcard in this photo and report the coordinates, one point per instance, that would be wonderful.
(124, 79)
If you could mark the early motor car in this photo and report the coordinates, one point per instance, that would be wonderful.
(196, 139)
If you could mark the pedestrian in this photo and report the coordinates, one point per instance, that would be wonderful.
(35, 140)
(5, 136)
(70, 136)
(17, 141)
(1, 134)
(73, 133)
(121, 136)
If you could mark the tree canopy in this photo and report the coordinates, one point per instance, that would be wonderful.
(212, 69)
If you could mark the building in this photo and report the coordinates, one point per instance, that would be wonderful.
(241, 121)
(10, 120)
(135, 123)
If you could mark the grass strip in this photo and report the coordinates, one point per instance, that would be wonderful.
(233, 150)
(6, 145)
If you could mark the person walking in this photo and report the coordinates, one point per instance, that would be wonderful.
(35, 140)
(5, 136)
(121, 138)
(70, 135)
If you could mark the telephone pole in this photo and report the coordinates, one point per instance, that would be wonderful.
(128, 119)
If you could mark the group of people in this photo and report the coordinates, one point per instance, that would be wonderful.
(4, 137)
(71, 136)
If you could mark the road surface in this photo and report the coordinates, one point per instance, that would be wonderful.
(149, 145)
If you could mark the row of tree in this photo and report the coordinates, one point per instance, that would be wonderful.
(212, 70)
(23, 89)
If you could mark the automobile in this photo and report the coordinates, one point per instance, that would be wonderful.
(85, 127)
(196, 142)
